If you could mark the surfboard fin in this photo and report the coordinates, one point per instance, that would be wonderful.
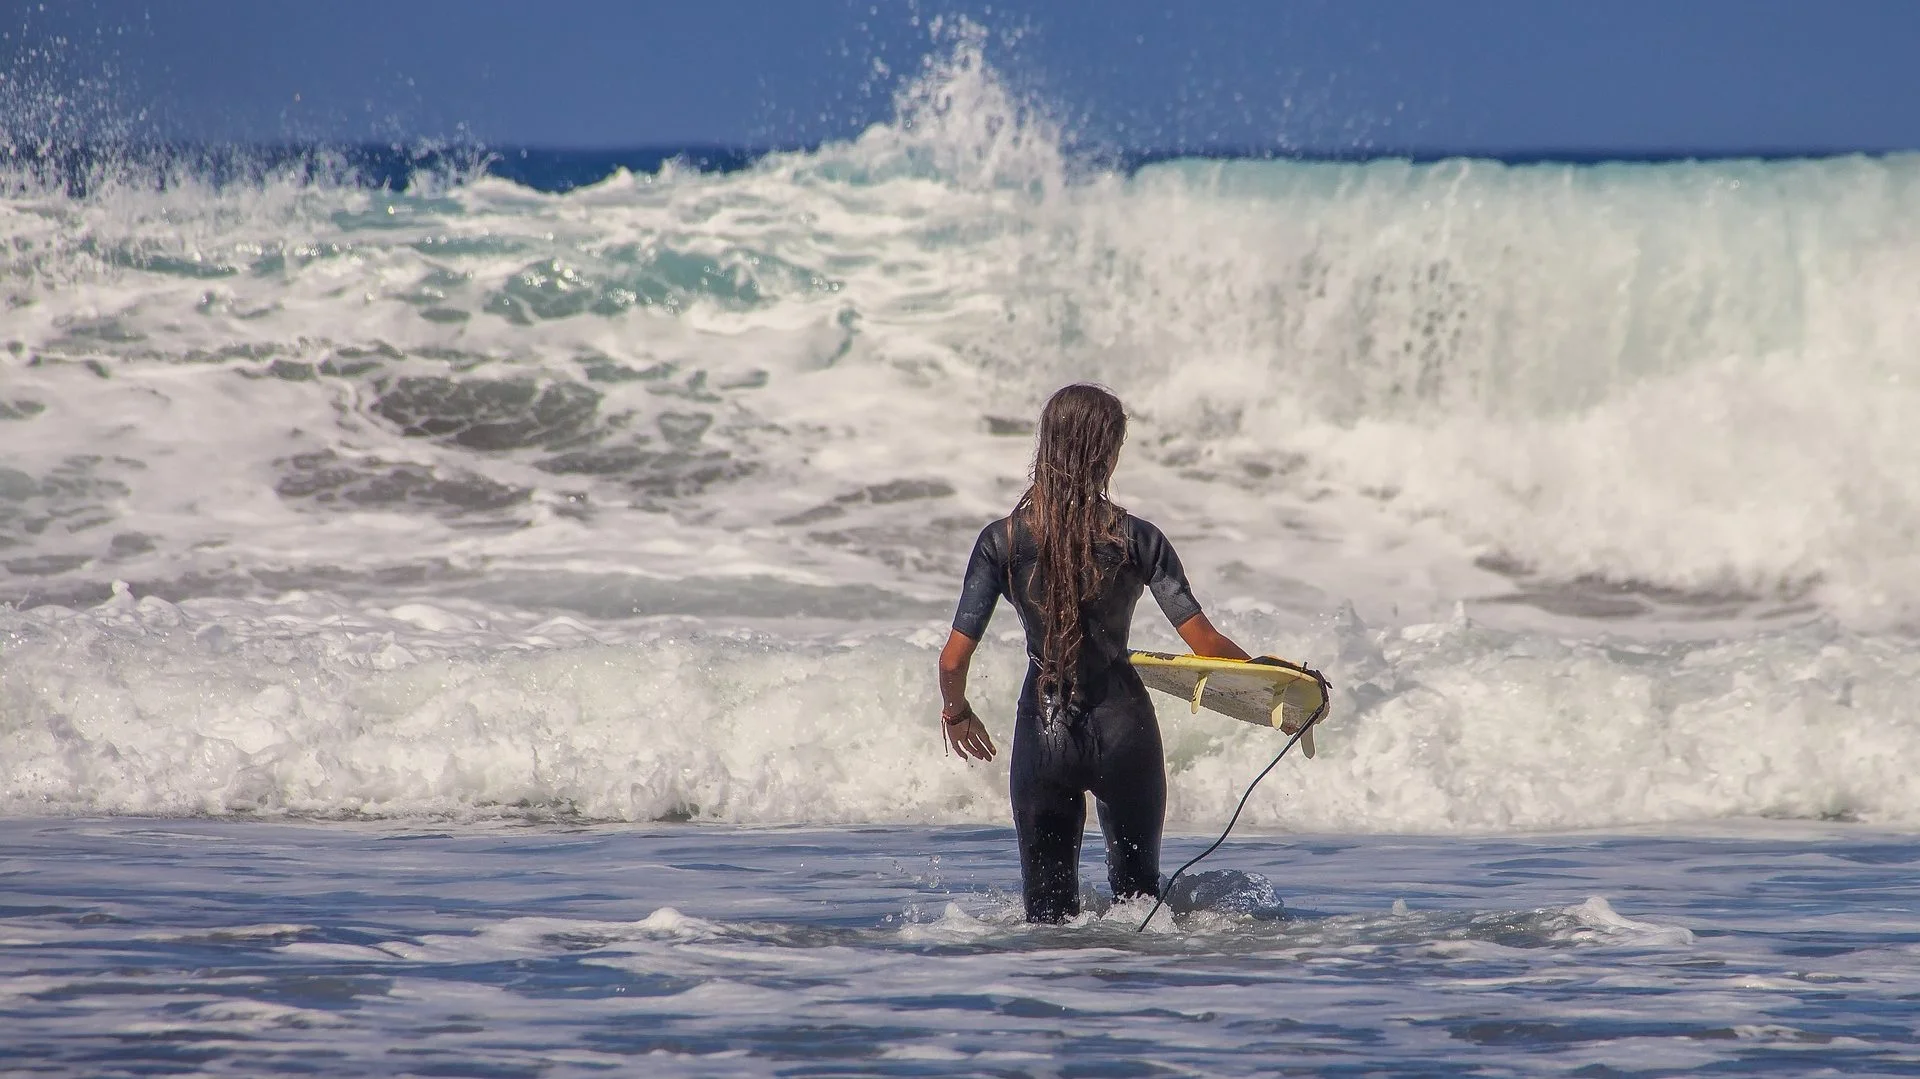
(1199, 689)
(1306, 733)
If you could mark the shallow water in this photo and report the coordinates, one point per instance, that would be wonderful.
(141, 947)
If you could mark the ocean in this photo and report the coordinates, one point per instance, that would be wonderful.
(485, 626)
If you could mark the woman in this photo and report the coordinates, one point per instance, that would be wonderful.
(1073, 565)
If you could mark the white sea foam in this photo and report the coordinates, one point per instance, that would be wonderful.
(1349, 381)
(648, 499)
(308, 705)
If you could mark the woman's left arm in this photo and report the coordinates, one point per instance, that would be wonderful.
(963, 730)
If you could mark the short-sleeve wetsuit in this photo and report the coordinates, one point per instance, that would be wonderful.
(1105, 740)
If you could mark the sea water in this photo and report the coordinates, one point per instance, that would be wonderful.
(474, 629)
(225, 947)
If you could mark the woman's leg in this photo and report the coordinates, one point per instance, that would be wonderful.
(1049, 816)
(1131, 785)
(1049, 827)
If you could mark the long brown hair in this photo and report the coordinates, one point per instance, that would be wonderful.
(1069, 514)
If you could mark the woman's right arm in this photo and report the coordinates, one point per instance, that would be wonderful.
(1167, 578)
(1203, 640)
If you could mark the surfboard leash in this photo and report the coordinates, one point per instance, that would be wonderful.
(1326, 700)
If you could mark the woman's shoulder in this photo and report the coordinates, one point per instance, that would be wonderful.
(993, 538)
(1139, 528)
(1147, 544)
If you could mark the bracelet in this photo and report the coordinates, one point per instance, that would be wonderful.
(965, 713)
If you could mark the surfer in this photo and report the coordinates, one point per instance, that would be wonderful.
(1073, 565)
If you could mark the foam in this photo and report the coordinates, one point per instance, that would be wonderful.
(313, 706)
(647, 499)
(1396, 384)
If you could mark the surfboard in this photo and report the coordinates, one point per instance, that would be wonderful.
(1267, 692)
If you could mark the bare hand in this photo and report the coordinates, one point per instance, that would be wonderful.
(969, 737)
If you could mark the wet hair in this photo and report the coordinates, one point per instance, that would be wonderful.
(1069, 514)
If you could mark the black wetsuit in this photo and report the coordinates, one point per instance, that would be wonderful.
(1105, 740)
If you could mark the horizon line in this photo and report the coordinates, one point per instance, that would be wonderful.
(395, 166)
(670, 150)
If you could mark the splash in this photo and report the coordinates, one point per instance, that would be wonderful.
(958, 122)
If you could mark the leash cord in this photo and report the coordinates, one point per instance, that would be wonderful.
(1160, 899)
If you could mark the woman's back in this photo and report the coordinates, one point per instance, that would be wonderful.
(1006, 561)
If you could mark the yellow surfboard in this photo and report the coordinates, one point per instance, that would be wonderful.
(1267, 691)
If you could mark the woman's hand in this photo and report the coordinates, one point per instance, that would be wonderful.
(966, 735)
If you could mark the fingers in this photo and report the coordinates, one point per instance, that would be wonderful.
(986, 740)
(956, 738)
(970, 739)
(974, 740)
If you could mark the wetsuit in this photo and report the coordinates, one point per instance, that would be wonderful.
(1104, 740)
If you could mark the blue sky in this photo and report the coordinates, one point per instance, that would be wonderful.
(1324, 76)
